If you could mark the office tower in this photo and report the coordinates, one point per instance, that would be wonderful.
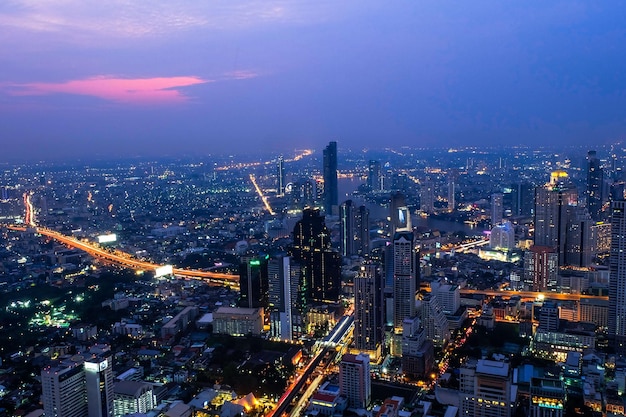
(448, 297)
(374, 178)
(280, 177)
(549, 317)
(286, 299)
(99, 382)
(452, 190)
(554, 204)
(320, 264)
(580, 244)
(331, 190)
(541, 267)
(427, 197)
(63, 389)
(132, 397)
(617, 278)
(593, 192)
(434, 320)
(502, 236)
(405, 277)
(368, 310)
(616, 192)
(354, 229)
(253, 282)
(547, 397)
(355, 380)
(302, 193)
(399, 214)
(485, 389)
(520, 198)
(79, 386)
(417, 350)
(496, 208)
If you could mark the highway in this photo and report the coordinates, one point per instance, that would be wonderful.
(535, 295)
(126, 260)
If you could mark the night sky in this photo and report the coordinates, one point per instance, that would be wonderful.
(82, 78)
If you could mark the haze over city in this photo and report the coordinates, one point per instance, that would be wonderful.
(117, 78)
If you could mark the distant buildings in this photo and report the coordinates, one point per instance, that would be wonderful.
(280, 176)
(594, 186)
(374, 176)
(497, 208)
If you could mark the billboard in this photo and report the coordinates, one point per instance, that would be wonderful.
(107, 238)
(163, 270)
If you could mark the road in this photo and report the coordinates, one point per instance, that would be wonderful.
(535, 295)
(126, 260)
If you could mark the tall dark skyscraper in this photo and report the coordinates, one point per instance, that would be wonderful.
(368, 310)
(331, 189)
(374, 179)
(405, 277)
(280, 175)
(253, 282)
(321, 266)
(286, 298)
(521, 201)
(617, 277)
(594, 185)
(354, 229)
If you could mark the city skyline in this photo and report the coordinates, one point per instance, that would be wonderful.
(174, 79)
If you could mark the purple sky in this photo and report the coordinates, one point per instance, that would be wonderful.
(81, 78)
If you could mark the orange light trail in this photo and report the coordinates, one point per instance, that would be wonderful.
(260, 193)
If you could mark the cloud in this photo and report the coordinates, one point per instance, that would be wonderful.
(144, 91)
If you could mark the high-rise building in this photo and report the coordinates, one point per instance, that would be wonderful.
(496, 208)
(541, 268)
(405, 277)
(502, 236)
(354, 229)
(547, 397)
(253, 282)
(287, 303)
(522, 199)
(399, 214)
(485, 389)
(427, 197)
(374, 177)
(554, 204)
(580, 244)
(355, 380)
(417, 350)
(434, 320)
(595, 179)
(452, 178)
(79, 386)
(280, 177)
(368, 310)
(321, 265)
(331, 189)
(617, 279)
(132, 397)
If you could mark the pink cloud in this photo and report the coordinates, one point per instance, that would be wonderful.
(160, 90)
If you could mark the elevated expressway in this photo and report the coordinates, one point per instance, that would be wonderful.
(117, 257)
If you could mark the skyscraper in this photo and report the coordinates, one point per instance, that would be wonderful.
(496, 208)
(253, 282)
(617, 277)
(280, 177)
(427, 197)
(354, 229)
(368, 310)
(331, 190)
(554, 205)
(405, 277)
(99, 382)
(452, 190)
(540, 267)
(374, 178)
(321, 265)
(593, 192)
(355, 380)
(399, 213)
(286, 298)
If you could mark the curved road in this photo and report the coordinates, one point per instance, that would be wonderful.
(126, 260)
